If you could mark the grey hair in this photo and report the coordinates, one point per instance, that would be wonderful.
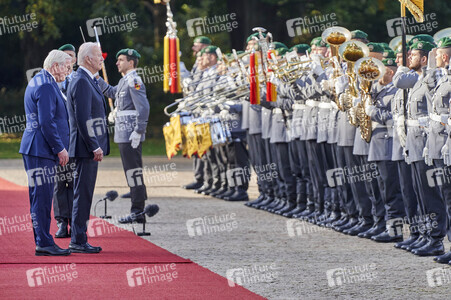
(84, 51)
(55, 56)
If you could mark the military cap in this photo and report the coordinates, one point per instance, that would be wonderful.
(444, 42)
(301, 48)
(129, 52)
(385, 46)
(281, 51)
(278, 45)
(421, 37)
(318, 42)
(203, 40)
(67, 47)
(389, 62)
(375, 47)
(358, 34)
(210, 50)
(389, 54)
(256, 34)
(422, 45)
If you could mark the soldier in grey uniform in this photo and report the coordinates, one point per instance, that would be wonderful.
(409, 196)
(438, 133)
(298, 153)
(63, 194)
(380, 152)
(432, 205)
(130, 118)
(199, 43)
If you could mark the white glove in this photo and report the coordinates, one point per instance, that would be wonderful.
(112, 116)
(317, 68)
(181, 105)
(341, 99)
(224, 114)
(334, 105)
(406, 157)
(327, 85)
(135, 138)
(445, 155)
(340, 84)
(401, 131)
(352, 114)
(355, 101)
(369, 109)
(427, 159)
(449, 121)
(444, 119)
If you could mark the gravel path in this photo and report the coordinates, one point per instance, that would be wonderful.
(270, 255)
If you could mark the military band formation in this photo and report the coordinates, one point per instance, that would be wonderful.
(338, 132)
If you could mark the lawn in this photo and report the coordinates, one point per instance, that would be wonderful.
(9, 148)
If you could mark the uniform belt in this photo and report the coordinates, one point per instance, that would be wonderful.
(298, 106)
(413, 123)
(437, 117)
(325, 105)
(122, 113)
(277, 111)
(311, 103)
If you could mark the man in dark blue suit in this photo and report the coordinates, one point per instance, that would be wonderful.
(88, 139)
(44, 145)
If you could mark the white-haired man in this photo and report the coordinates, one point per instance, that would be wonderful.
(44, 145)
(88, 140)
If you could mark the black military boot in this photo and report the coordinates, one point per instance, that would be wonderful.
(260, 198)
(193, 185)
(410, 240)
(239, 195)
(433, 248)
(443, 259)
(63, 231)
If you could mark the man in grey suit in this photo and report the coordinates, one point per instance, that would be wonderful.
(130, 117)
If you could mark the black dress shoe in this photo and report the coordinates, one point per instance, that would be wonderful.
(227, 193)
(202, 188)
(334, 216)
(289, 207)
(212, 189)
(193, 185)
(84, 248)
(433, 248)
(443, 259)
(297, 210)
(422, 240)
(363, 227)
(222, 190)
(345, 231)
(63, 231)
(239, 195)
(273, 204)
(376, 229)
(281, 205)
(268, 200)
(126, 195)
(343, 220)
(133, 219)
(307, 211)
(385, 237)
(407, 242)
(351, 223)
(260, 198)
(51, 251)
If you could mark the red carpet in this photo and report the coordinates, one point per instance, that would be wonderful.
(116, 273)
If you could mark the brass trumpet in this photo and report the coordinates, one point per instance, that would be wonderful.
(369, 69)
(351, 52)
(335, 37)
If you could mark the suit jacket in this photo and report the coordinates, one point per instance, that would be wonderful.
(87, 117)
(47, 130)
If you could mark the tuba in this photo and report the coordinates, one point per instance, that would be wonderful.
(368, 69)
(335, 37)
(351, 52)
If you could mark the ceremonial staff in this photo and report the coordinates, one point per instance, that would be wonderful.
(105, 76)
